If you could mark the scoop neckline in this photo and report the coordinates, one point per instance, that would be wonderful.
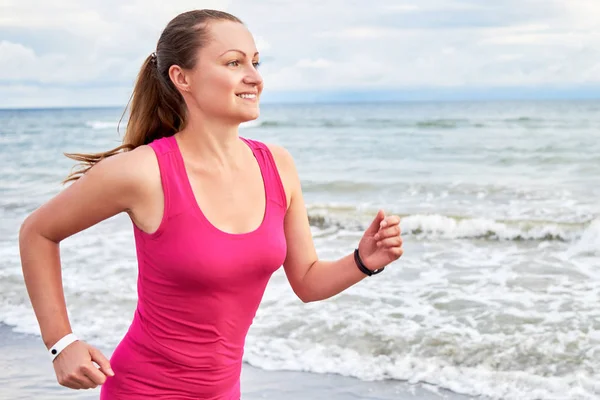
(196, 207)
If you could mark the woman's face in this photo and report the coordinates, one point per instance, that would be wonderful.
(225, 83)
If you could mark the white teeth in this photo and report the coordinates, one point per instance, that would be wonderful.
(247, 96)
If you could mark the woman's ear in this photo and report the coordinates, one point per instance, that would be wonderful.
(179, 78)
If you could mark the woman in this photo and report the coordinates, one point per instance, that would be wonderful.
(214, 215)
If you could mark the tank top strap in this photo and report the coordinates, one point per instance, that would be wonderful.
(173, 186)
(271, 176)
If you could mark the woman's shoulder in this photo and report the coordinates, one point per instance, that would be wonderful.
(133, 161)
(283, 158)
(135, 169)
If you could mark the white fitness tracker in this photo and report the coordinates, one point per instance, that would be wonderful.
(61, 345)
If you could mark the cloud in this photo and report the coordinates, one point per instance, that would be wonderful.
(362, 32)
(430, 43)
(70, 46)
(91, 41)
(402, 7)
(15, 59)
(29, 95)
(319, 63)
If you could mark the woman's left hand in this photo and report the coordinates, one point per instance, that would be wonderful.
(381, 244)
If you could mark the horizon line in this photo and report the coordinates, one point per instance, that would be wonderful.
(336, 102)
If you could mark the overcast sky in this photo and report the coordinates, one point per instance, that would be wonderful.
(87, 52)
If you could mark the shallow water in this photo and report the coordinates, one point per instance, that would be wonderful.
(497, 294)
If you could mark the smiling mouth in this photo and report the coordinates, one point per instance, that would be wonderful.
(247, 95)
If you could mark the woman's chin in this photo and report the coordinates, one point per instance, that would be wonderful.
(249, 116)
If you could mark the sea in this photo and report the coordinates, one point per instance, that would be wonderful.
(497, 293)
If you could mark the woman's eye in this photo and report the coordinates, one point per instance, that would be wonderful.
(236, 63)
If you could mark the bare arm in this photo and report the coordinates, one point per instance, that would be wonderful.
(313, 279)
(112, 186)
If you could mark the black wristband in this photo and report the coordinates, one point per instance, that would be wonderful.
(362, 267)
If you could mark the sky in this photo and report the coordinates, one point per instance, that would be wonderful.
(87, 52)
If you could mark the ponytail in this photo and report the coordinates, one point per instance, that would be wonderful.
(156, 111)
(157, 108)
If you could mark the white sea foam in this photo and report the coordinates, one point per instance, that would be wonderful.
(474, 331)
(436, 226)
(296, 355)
(105, 124)
(507, 321)
(498, 290)
(589, 243)
(444, 227)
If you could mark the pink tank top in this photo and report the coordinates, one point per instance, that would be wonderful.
(198, 291)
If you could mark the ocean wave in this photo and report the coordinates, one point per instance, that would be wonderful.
(443, 123)
(99, 125)
(523, 119)
(449, 227)
(481, 337)
(421, 124)
(339, 186)
(448, 123)
(435, 226)
(471, 371)
(589, 242)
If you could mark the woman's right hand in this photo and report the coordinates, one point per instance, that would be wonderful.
(75, 369)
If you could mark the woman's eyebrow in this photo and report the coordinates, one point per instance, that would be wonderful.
(239, 51)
